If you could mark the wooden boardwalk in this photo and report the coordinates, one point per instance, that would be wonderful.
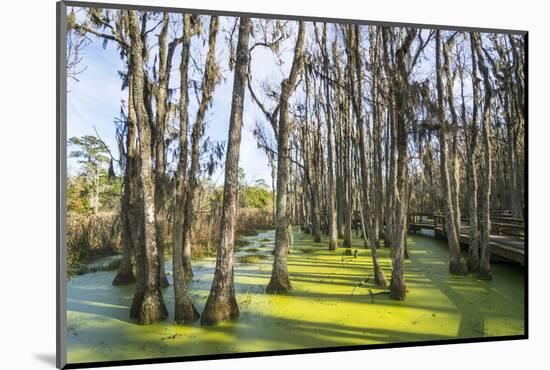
(507, 239)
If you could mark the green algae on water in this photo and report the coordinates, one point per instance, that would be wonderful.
(327, 307)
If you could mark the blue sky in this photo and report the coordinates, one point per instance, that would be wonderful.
(95, 100)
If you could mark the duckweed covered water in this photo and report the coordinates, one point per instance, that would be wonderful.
(326, 308)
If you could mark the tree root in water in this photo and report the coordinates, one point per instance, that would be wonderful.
(377, 293)
(361, 283)
(371, 293)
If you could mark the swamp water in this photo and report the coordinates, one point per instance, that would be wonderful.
(326, 308)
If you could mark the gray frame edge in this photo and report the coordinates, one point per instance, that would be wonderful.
(61, 185)
(231, 13)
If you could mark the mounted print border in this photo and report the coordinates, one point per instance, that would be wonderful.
(205, 247)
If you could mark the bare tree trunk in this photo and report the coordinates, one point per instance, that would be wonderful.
(136, 210)
(331, 191)
(391, 144)
(280, 282)
(485, 262)
(161, 181)
(125, 274)
(273, 186)
(400, 83)
(348, 238)
(473, 248)
(353, 46)
(184, 310)
(222, 303)
(377, 139)
(317, 169)
(519, 112)
(338, 114)
(455, 165)
(315, 205)
(208, 83)
(457, 264)
(149, 304)
(340, 184)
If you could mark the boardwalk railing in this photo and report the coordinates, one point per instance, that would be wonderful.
(507, 239)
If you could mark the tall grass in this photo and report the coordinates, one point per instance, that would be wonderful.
(91, 236)
(206, 228)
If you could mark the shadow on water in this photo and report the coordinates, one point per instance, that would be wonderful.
(328, 306)
(498, 298)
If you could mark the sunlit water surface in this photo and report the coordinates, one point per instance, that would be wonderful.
(326, 308)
